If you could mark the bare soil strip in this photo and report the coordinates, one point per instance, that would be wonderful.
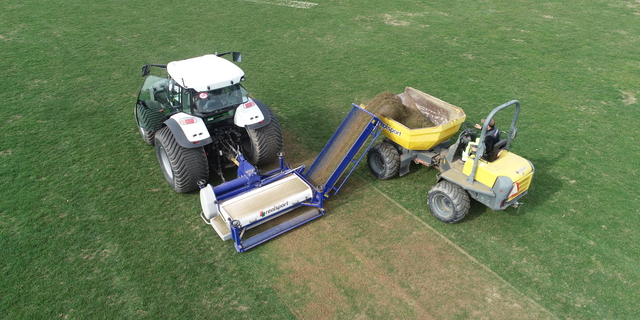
(371, 258)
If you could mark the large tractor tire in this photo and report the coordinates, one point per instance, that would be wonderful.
(148, 117)
(148, 136)
(384, 161)
(263, 144)
(181, 167)
(448, 202)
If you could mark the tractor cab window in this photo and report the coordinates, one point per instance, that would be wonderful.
(186, 101)
(210, 101)
(155, 89)
(175, 95)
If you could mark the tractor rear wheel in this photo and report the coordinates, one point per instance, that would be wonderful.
(264, 143)
(148, 136)
(448, 202)
(182, 167)
(384, 161)
(148, 117)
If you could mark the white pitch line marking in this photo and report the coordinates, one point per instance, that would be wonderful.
(287, 3)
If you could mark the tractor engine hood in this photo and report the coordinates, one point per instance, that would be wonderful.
(205, 73)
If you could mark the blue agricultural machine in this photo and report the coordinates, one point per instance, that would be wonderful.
(254, 199)
(236, 208)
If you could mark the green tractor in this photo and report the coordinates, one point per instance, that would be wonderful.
(199, 116)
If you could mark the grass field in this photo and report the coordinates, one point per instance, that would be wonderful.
(90, 229)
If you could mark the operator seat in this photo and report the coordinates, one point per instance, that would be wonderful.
(493, 154)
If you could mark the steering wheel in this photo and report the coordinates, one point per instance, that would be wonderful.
(469, 129)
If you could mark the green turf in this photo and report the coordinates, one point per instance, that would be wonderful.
(90, 229)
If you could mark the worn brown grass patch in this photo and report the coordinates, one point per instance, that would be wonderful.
(369, 258)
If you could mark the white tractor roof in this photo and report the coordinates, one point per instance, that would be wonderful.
(205, 73)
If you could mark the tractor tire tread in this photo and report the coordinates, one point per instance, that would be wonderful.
(459, 198)
(147, 118)
(188, 165)
(389, 157)
(266, 142)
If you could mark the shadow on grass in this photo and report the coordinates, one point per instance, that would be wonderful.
(476, 211)
(544, 185)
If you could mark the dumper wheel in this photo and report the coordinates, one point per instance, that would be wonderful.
(448, 202)
(181, 167)
(384, 161)
(264, 143)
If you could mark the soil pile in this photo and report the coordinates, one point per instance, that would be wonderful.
(390, 106)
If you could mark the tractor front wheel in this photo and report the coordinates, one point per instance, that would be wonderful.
(384, 161)
(448, 202)
(181, 167)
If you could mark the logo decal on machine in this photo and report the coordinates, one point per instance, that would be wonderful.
(392, 130)
(521, 170)
(273, 209)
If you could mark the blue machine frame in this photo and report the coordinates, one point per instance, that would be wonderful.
(250, 179)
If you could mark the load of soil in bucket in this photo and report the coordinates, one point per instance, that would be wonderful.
(390, 106)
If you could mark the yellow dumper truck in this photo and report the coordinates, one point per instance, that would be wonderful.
(496, 178)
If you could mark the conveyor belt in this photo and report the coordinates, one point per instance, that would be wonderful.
(341, 149)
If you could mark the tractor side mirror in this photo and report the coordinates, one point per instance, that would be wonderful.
(237, 57)
(145, 70)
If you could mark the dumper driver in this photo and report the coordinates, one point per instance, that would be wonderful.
(491, 137)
